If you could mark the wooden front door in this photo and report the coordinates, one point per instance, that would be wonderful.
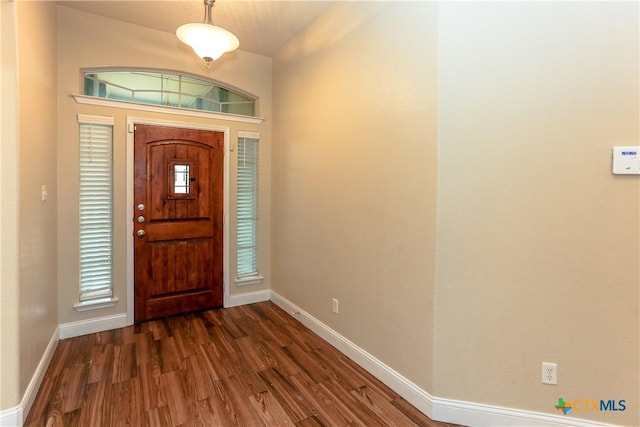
(178, 215)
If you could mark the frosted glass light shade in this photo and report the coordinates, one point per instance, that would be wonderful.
(207, 41)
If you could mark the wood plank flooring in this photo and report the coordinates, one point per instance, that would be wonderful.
(244, 366)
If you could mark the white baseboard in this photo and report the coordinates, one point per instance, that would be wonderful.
(14, 417)
(405, 388)
(398, 383)
(438, 409)
(91, 326)
(474, 414)
(36, 380)
(11, 417)
(247, 298)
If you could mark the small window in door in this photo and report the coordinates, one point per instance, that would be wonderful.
(181, 179)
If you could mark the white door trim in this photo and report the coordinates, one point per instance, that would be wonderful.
(131, 122)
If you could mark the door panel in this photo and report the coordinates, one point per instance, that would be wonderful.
(178, 242)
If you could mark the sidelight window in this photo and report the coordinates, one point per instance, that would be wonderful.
(96, 208)
(247, 208)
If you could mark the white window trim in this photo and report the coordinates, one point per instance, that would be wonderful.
(96, 120)
(130, 105)
(100, 303)
(248, 134)
(245, 281)
(96, 304)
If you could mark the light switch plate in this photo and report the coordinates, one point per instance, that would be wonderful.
(626, 160)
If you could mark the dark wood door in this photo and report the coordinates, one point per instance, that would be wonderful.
(178, 216)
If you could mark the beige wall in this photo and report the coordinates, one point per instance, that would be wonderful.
(537, 241)
(87, 40)
(354, 177)
(38, 130)
(9, 212)
(29, 117)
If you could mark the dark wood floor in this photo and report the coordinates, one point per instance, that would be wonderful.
(245, 366)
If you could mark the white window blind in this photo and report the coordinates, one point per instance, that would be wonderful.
(247, 208)
(96, 209)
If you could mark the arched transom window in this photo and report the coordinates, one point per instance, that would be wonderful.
(168, 89)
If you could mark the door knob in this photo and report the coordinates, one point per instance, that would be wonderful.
(140, 233)
(141, 207)
(140, 219)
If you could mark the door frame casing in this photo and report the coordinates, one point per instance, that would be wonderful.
(131, 122)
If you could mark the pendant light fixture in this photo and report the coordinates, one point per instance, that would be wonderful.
(207, 41)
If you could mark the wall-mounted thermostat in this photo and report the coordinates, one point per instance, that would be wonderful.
(626, 160)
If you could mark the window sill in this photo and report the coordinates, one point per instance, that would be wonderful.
(253, 280)
(96, 304)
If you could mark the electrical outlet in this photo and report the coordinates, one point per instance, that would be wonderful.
(335, 305)
(549, 373)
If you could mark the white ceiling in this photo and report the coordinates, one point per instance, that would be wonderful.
(262, 26)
